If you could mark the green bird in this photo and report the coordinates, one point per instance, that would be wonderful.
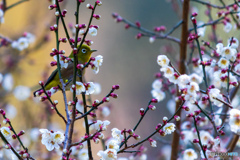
(83, 56)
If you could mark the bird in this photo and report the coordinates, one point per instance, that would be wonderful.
(83, 56)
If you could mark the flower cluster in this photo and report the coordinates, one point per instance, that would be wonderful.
(23, 42)
(51, 139)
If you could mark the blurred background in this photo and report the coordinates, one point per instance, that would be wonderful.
(129, 62)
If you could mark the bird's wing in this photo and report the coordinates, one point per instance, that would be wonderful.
(51, 77)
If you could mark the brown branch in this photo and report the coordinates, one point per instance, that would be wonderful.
(182, 70)
(233, 143)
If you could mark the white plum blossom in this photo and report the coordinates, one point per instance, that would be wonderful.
(34, 133)
(79, 106)
(213, 94)
(206, 138)
(168, 73)
(227, 27)
(101, 125)
(192, 107)
(1, 16)
(153, 143)
(83, 154)
(158, 94)
(163, 60)
(6, 132)
(208, 154)
(92, 31)
(91, 127)
(195, 78)
(143, 157)
(219, 49)
(233, 42)
(105, 111)
(169, 128)
(237, 68)
(21, 44)
(97, 63)
(109, 154)
(90, 88)
(152, 39)
(229, 53)
(11, 111)
(183, 80)
(7, 83)
(189, 154)
(192, 88)
(157, 84)
(81, 32)
(201, 31)
(51, 139)
(22, 92)
(53, 90)
(116, 134)
(30, 37)
(223, 63)
(122, 158)
(113, 144)
(188, 136)
(63, 63)
(234, 120)
(97, 88)
(232, 80)
(80, 88)
(191, 94)
(190, 97)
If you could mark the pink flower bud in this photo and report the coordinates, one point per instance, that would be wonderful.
(75, 50)
(139, 35)
(195, 140)
(127, 26)
(194, 14)
(138, 24)
(89, 6)
(14, 136)
(158, 126)
(115, 86)
(99, 3)
(53, 63)
(189, 115)
(141, 111)
(194, 21)
(41, 83)
(96, 16)
(106, 99)
(152, 107)
(222, 132)
(52, 6)
(2, 112)
(71, 40)
(197, 112)
(130, 132)
(154, 100)
(43, 98)
(21, 133)
(177, 118)
(92, 115)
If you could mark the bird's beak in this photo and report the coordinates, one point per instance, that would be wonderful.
(93, 51)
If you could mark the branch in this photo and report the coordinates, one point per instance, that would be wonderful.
(182, 70)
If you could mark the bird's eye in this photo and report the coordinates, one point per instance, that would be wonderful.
(83, 50)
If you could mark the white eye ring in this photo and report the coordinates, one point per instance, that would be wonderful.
(83, 50)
